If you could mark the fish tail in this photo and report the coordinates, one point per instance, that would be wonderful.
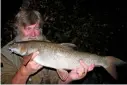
(112, 63)
(115, 61)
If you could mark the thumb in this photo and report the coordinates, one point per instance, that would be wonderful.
(26, 59)
(91, 67)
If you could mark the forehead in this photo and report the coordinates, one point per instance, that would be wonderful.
(33, 25)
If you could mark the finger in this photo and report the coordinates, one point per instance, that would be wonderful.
(40, 66)
(36, 64)
(83, 64)
(91, 67)
(82, 72)
(35, 54)
(29, 58)
(26, 59)
(83, 69)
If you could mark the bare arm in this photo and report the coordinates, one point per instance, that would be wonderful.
(28, 67)
(21, 76)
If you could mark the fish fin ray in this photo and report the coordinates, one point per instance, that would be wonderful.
(69, 46)
(63, 74)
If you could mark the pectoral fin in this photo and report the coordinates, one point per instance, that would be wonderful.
(63, 74)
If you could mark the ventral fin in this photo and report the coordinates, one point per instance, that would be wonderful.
(63, 74)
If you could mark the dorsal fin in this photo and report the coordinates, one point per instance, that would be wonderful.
(69, 46)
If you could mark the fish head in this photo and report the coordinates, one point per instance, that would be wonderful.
(18, 48)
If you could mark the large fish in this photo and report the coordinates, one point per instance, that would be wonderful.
(61, 56)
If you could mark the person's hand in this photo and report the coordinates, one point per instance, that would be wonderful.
(78, 73)
(81, 71)
(27, 68)
(30, 66)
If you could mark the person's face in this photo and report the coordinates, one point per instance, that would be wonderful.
(31, 32)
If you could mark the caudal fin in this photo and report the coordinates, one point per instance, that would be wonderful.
(113, 62)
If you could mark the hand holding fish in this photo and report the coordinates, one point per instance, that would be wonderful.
(31, 66)
(78, 73)
(27, 68)
(81, 71)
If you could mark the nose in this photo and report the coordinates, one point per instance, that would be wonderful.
(33, 34)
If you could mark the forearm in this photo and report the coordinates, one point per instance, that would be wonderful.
(21, 76)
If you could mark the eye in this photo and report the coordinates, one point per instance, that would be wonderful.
(36, 28)
(28, 28)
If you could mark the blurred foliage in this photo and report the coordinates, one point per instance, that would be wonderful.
(73, 22)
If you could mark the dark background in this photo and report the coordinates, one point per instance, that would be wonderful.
(95, 26)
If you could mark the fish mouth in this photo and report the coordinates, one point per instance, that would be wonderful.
(10, 49)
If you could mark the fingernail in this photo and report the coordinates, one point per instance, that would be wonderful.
(80, 73)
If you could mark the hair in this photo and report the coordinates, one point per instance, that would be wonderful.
(27, 17)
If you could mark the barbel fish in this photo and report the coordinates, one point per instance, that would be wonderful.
(61, 56)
